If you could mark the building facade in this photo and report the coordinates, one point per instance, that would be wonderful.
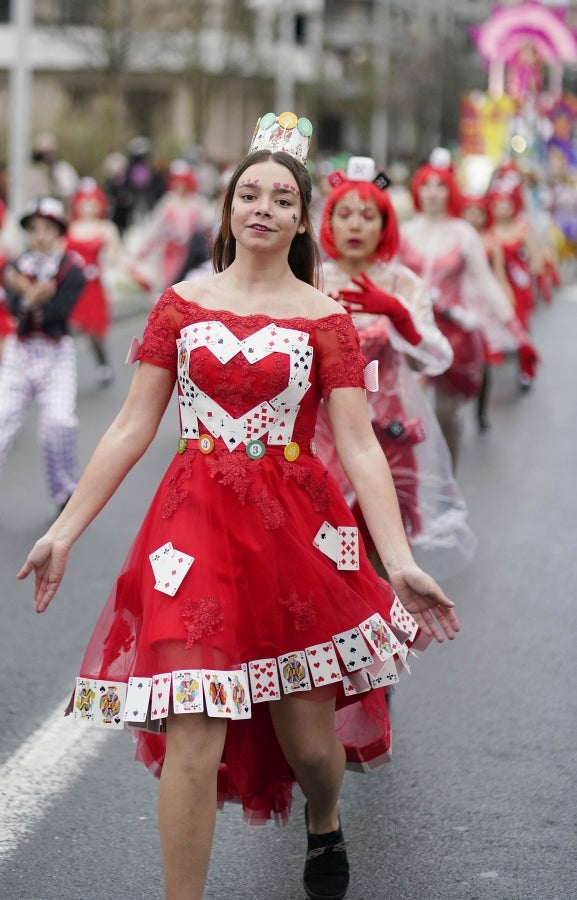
(378, 77)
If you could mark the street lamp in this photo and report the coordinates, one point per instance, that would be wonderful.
(19, 109)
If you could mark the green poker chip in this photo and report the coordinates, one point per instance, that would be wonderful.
(255, 449)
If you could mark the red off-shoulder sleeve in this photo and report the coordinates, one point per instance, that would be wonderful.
(341, 363)
(162, 329)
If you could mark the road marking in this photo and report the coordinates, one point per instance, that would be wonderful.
(42, 767)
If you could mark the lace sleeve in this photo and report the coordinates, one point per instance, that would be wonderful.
(159, 342)
(341, 363)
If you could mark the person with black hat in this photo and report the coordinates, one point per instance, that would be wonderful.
(42, 286)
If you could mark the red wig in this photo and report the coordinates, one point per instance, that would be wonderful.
(446, 177)
(388, 244)
(507, 183)
(180, 173)
(88, 190)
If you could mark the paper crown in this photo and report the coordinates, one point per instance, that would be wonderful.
(360, 168)
(286, 133)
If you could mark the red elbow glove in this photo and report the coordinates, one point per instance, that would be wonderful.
(528, 359)
(372, 299)
(527, 353)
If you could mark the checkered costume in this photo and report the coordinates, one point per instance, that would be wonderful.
(39, 362)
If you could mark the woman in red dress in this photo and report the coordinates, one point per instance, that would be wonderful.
(248, 628)
(179, 214)
(449, 255)
(97, 241)
(511, 235)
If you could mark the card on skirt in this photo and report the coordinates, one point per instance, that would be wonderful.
(187, 694)
(323, 664)
(264, 680)
(294, 674)
(137, 699)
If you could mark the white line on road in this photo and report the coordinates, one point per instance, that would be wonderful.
(42, 767)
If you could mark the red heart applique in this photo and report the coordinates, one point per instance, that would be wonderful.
(238, 386)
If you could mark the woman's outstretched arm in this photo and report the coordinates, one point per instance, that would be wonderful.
(119, 449)
(368, 471)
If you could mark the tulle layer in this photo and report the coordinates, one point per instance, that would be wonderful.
(433, 508)
(7, 325)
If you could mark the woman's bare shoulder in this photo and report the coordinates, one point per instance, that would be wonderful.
(196, 287)
(318, 304)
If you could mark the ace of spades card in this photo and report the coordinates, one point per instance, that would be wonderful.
(137, 699)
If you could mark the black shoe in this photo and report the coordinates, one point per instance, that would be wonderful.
(525, 383)
(326, 874)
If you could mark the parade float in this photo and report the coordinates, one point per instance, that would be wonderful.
(525, 116)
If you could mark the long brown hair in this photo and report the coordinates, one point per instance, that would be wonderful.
(304, 257)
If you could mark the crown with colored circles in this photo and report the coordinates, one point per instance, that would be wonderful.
(285, 133)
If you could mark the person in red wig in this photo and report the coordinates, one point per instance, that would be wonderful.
(96, 239)
(393, 315)
(511, 233)
(449, 255)
(179, 214)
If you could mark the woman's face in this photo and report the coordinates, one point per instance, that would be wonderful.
(502, 208)
(266, 207)
(357, 226)
(88, 208)
(434, 196)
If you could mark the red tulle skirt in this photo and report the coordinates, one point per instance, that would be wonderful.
(465, 373)
(6, 322)
(92, 314)
(258, 588)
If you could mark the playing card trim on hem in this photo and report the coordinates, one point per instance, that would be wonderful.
(370, 656)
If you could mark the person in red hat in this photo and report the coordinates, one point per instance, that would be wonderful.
(97, 240)
(394, 319)
(39, 361)
(180, 213)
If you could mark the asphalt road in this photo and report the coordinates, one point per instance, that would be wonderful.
(480, 800)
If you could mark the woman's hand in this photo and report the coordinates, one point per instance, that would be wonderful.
(372, 299)
(47, 560)
(423, 598)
